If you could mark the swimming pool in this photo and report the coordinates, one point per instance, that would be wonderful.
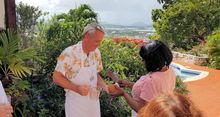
(188, 74)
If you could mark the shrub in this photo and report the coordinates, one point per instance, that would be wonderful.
(122, 58)
(213, 48)
(180, 86)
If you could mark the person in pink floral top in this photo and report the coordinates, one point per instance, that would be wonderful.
(160, 79)
(77, 71)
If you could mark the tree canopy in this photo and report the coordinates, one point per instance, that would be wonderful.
(187, 22)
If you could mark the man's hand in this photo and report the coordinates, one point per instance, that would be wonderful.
(83, 90)
(6, 110)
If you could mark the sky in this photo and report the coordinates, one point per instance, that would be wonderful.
(121, 12)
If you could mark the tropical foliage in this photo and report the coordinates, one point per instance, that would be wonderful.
(186, 23)
(181, 23)
(12, 60)
(213, 48)
(71, 24)
(27, 18)
(122, 58)
(44, 98)
(15, 64)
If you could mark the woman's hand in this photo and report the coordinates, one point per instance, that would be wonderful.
(117, 92)
(112, 75)
(125, 83)
(122, 83)
(6, 110)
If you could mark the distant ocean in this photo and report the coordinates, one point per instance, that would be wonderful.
(141, 32)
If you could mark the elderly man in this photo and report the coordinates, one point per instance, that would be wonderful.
(77, 71)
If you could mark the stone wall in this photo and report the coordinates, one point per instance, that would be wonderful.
(187, 58)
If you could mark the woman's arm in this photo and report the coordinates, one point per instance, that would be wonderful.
(125, 83)
(134, 104)
(122, 83)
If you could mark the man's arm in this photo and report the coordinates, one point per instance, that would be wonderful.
(63, 82)
(101, 83)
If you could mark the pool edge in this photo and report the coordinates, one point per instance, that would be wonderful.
(203, 74)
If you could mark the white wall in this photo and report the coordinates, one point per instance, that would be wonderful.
(2, 14)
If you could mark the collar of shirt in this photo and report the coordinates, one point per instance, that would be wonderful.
(87, 59)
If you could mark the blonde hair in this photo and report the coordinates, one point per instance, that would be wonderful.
(170, 105)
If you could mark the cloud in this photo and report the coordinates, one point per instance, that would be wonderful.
(45, 5)
(124, 12)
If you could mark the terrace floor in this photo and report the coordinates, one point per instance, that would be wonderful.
(205, 93)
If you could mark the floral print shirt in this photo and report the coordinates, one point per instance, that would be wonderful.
(73, 58)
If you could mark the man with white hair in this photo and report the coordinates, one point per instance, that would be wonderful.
(77, 71)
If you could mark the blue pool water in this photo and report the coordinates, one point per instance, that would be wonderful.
(183, 73)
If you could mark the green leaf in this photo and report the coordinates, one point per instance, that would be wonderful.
(19, 70)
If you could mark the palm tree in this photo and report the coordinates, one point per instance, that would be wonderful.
(12, 60)
(79, 18)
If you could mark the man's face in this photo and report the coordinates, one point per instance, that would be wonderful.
(95, 40)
